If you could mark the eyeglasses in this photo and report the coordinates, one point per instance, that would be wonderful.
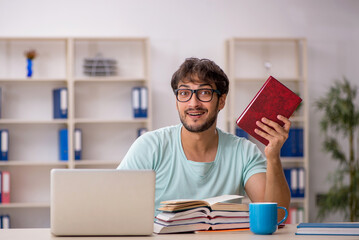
(203, 94)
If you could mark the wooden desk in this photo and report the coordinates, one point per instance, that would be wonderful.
(286, 233)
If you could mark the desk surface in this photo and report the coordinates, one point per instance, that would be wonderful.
(286, 233)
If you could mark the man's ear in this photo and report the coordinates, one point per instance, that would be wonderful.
(222, 101)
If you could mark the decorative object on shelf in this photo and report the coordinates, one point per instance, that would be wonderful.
(30, 55)
(340, 122)
(100, 66)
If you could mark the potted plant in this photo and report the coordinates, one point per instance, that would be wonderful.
(340, 125)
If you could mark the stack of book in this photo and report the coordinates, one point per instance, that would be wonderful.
(198, 215)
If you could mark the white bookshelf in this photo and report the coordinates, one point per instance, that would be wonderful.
(101, 106)
(249, 62)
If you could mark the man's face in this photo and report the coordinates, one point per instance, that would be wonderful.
(195, 115)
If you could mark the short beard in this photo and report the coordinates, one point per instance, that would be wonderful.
(201, 128)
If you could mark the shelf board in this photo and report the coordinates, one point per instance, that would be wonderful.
(263, 79)
(33, 80)
(23, 121)
(123, 121)
(25, 205)
(95, 162)
(110, 79)
(297, 200)
(33, 163)
(298, 160)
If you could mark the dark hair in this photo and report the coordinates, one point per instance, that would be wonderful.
(203, 69)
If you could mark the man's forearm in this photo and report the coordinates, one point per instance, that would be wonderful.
(277, 189)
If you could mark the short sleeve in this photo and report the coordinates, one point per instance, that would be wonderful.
(256, 162)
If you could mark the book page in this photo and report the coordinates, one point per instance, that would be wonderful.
(222, 198)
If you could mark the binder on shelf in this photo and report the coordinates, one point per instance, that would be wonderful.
(5, 221)
(0, 101)
(141, 131)
(63, 145)
(140, 102)
(78, 143)
(5, 187)
(241, 133)
(0, 187)
(144, 102)
(4, 145)
(293, 147)
(60, 102)
(301, 182)
(136, 102)
(296, 181)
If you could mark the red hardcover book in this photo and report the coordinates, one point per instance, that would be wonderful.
(5, 193)
(273, 99)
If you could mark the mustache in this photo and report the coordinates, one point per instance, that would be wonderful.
(195, 109)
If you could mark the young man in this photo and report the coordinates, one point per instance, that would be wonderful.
(196, 160)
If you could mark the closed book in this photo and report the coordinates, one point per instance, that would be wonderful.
(4, 145)
(78, 143)
(241, 133)
(272, 99)
(5, 187)
(63, 145)
(344, 228)
(60, 103)
(161, 229)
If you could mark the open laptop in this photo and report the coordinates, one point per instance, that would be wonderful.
(102, 202)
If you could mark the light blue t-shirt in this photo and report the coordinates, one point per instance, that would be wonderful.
(236, 161)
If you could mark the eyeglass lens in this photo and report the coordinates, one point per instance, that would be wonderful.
(204, 95)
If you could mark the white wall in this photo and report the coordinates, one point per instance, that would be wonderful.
(180, 29)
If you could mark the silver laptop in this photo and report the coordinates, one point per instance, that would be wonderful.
(102, 202)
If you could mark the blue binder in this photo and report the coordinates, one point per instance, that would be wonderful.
(143, 102)
(60, 102)
(78, 143)
(136, 95)
(0, 187)
(140, 102)
(293, 147)
(0, 101)
(4, 145)
(4, 221)
(63, 145)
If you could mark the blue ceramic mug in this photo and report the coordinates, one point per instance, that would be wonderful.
(263, 217)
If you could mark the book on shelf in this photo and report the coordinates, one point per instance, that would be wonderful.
(4, 145)
(272, 99)
(141, 131)
(78, 143)
(5, 221)
(343, 228)
(60, 103)
(198, 215)
(5, 187)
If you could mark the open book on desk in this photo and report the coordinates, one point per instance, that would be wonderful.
(272, 99)
(214, 203)
(196, 215)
